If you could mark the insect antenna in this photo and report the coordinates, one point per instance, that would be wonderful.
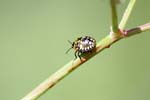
(70, 42)
(70, 47)
(68, 50)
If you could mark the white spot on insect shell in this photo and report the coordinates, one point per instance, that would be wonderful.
(81, 46)
(85, 49)
(90, 46)
(90, 43)
(82, 49)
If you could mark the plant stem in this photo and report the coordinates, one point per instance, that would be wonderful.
(114, 16)
(72, 65)
(126, 14)
(138, 29)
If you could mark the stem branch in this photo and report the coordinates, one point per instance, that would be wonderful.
(72, 65)
(126, 14)
(138, 29)
(114, 16)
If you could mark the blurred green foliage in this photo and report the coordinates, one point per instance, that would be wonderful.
(33, 42)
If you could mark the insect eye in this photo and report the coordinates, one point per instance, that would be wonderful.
(79, 38)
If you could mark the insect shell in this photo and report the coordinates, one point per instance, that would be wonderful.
(82, 45)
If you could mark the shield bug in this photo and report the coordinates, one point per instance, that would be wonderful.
(82, 45)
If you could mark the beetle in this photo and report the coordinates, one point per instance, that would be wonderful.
(82, 45)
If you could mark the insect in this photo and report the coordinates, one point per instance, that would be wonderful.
(82, 45)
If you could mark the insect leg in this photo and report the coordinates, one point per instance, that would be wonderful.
(79, 55)
(75, 54)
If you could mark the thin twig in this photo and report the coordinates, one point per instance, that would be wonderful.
(114, 16)
(138, 29)
(72, 65)
(126, 14)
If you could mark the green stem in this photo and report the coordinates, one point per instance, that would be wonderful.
(72, 65)
(126, 14)
(114, 16)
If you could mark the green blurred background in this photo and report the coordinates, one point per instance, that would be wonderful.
(33, 42)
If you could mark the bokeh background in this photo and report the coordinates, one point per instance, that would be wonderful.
(33, 42)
